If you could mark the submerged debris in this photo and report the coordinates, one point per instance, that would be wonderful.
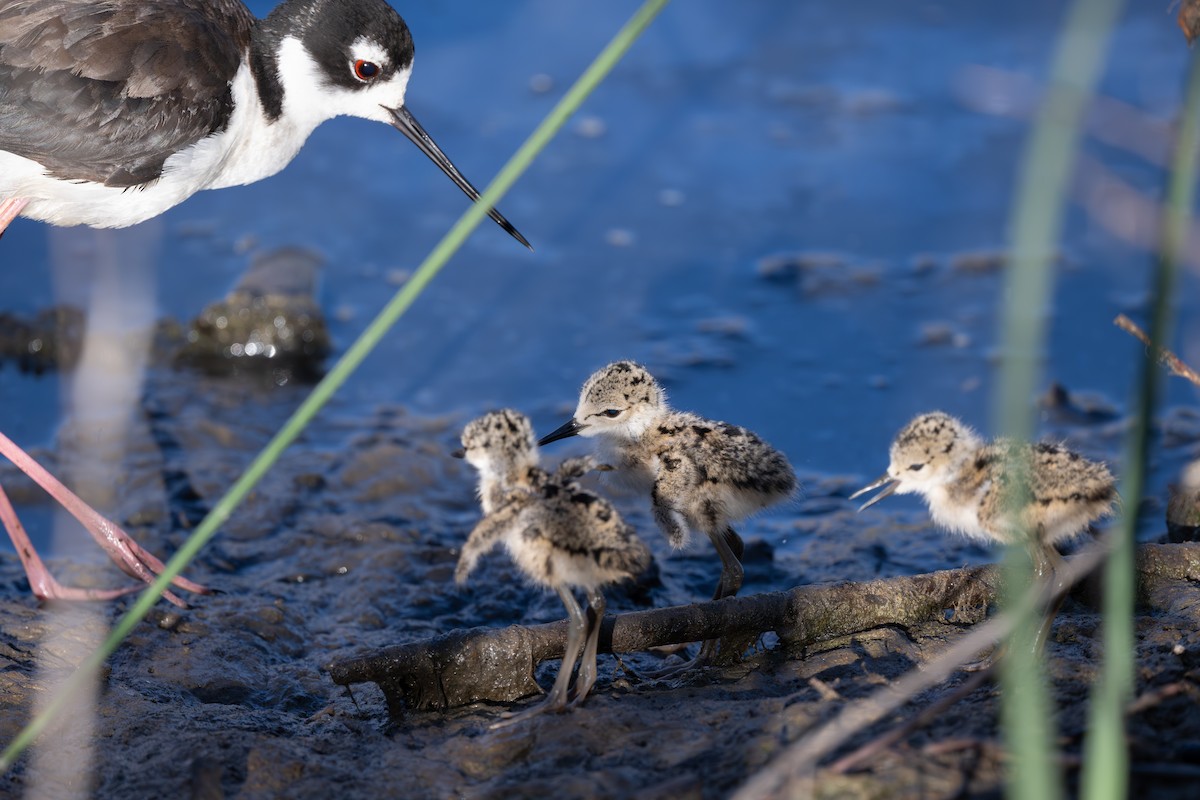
(1063, 405)
(53, 339)
(987, 262)
(1183, 508)
(942, 334)
(818, 273)
(270, 322)
(979, 262)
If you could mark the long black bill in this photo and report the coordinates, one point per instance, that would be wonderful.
(567, 430)
(892, 485)
(407, 124)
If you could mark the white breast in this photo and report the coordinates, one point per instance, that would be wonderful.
(955, 514)
(249, 149)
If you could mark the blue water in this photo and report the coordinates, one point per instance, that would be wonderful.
(728, 134)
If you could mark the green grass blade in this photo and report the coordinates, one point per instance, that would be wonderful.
(404, 298)
(1106, 759)
(1037, 225)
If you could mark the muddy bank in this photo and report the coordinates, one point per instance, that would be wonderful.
(787, 214)
(351, 547)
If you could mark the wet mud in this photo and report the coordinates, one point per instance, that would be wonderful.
(348, 549)
(795, 217)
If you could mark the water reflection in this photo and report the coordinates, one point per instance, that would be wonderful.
(112, 275)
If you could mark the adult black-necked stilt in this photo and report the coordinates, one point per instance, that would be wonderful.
(113, 111)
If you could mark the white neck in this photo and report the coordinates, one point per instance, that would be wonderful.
(255, 147)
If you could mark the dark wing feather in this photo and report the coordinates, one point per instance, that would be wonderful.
(107, 90)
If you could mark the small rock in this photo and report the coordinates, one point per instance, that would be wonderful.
(979, 262)
(942, 334)
(789, 267)
(397, 277)
(1067, 406)
(53, 339)
(671, 198)
(270, 322)
(1183, 506)
(591, 127)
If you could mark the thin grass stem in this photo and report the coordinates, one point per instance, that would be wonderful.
(1038, 210)
(346, 365)
(1106, 758)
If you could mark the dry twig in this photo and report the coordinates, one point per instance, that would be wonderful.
(914, 723)
(1172, 362)
(793, 771)
(1155, 696)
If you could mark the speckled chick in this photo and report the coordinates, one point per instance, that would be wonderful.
(560, 535)
(966, 483)
(701, 475)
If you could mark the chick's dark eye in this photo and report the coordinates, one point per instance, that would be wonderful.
(612, 412)
(366, 70)
(915, 467)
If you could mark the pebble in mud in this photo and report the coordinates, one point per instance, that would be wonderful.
(560, 536)
(700, 474)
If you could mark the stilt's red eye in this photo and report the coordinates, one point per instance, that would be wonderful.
(366, 71)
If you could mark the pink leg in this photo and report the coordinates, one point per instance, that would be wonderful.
(123, 550)
(40, 580)
(9, 209)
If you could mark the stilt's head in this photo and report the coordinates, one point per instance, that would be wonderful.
(620, 401)
(500, 445)
(928, 452)
(338, 58)
(319, 59)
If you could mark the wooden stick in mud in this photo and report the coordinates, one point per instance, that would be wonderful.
(1174, 364)
(497, 664)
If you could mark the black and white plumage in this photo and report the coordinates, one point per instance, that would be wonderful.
(113, 111)
(560, 535)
